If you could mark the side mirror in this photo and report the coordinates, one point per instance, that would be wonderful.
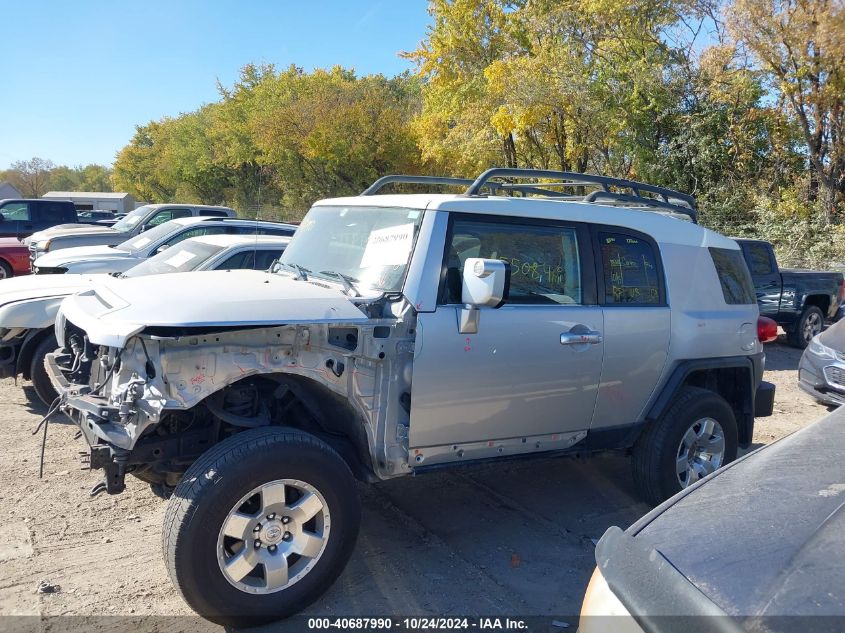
(162, 248)
(485, 285)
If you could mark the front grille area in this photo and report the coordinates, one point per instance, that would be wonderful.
(835, 376)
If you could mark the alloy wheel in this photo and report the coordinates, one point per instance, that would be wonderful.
(273, 536)
(701, 451)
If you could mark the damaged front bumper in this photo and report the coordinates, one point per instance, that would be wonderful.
(101, 422)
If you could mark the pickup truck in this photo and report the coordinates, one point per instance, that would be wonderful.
(798, 300)
(135, 222)
(21, 217)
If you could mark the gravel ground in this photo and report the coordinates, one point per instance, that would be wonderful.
(515, 538)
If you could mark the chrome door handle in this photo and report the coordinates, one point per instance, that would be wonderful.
(581, 338)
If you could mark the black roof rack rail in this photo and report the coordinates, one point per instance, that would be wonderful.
(667, 198)
(415, 180)
(454, 182)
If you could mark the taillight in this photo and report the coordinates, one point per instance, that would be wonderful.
(767, 330)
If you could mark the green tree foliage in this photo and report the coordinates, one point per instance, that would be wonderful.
(277, 139)
(748, 117)
(35, 177)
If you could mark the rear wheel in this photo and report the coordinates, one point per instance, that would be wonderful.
(5, 270)
(38, 371)
(261, 526)
(809, 324)
(694, 437)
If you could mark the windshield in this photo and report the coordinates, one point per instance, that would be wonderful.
(180, 258)
(131, 219)
(369, 245)
(155, 234)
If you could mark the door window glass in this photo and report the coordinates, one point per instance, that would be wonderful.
(629, 266)
(166, 215)
(544, 261)
(758, 259)
(195, 232)
(16, 211)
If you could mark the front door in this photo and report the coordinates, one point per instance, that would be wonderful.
(526, 380)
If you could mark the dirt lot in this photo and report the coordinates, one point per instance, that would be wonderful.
(512, 539)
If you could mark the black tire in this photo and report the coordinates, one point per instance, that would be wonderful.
(38, 371)
(213, 486)
(656, 452)
(6, 271)
(804, 329)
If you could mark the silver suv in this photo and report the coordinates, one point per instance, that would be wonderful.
(403, 334)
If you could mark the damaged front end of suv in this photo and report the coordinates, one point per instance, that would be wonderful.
(155, 373)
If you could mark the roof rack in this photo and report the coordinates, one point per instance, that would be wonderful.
(668, 199)
(382, 182)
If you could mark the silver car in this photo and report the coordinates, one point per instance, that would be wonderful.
(821, 372)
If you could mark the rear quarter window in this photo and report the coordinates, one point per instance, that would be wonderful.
(737, 287)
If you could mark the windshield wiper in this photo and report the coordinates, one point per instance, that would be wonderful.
(301, 271)
(346, 280)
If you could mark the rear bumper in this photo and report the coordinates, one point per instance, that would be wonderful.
(764, 400)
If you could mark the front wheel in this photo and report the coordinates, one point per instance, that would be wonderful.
(38, 371)
(695, 436)
(260, 526)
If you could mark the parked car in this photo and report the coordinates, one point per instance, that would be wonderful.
(799, 300)
(821, 372)
(136, 222)
(28, 306)
(21, 218)
(404, 334)
(14, 258)
(115, 259)
(758, 546)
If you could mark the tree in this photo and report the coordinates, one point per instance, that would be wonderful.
(31, 177)
(801, 45)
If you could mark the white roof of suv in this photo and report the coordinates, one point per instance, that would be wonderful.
(660, 225)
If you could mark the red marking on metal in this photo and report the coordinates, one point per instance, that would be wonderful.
(198, 379)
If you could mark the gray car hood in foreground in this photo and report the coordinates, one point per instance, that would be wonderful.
(763, 538)
(74, 230)
(115, 310)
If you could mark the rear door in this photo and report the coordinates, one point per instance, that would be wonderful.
(523, 382)
(632, 292)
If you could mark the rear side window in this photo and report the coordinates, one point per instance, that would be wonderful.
(214, 213)
(734, 277)
(629, 265)
(56, 212)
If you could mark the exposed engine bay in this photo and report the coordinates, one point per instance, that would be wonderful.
(153, 406)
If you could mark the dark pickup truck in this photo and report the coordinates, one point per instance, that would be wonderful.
(22, 218)
(799, 300)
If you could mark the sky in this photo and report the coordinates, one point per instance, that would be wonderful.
(77, 77)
